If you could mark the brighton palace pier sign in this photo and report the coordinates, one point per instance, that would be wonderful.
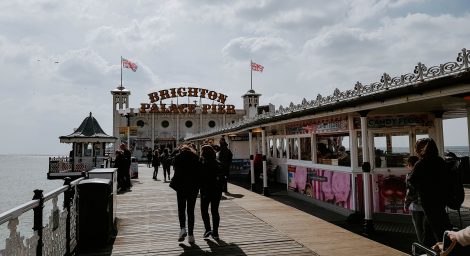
(154, 107)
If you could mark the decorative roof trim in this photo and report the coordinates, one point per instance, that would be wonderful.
(421, 74)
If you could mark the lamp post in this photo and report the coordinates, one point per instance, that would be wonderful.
(128, 113)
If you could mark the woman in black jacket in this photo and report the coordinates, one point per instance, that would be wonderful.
(186, 183)
(212, 184)
(428, 178)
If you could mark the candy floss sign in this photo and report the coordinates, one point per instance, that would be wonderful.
(392, 191)
(324, 185)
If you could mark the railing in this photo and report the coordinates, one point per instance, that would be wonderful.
(57, 237)
(64, 164)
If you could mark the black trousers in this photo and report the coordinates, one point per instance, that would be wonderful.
(212, 199)
(186, 205)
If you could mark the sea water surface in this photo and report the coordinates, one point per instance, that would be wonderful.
(20, 175)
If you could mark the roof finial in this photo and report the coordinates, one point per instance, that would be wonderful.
(90, 113)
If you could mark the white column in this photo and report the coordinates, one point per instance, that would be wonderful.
(263, 151)
(152, 126)
(252, 162)
(368, 225)
(352, 142)
(439, 139)
(177, 129)
(313, 139)
(468, 126)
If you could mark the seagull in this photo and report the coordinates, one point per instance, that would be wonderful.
(56, 62)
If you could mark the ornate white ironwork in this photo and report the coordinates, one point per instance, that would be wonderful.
(54, 233)
(421, 73)
(14, 244)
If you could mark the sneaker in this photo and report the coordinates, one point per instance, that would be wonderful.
(207, 233)
(183, 234)
(191, 239)
(215, 236)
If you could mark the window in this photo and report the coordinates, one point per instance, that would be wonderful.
(165, 124)
(270, 147)
(306, 149)
(278, 148)
(211, 124)
(391, 149)
(140, 123)
(293, 148)
(188, 124)
(334, 149)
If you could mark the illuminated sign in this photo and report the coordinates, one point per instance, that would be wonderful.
(156, 105)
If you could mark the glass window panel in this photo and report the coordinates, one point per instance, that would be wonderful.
(293, 148)
(278, 148)
(270, 147)
(305, 149)
(391, 149)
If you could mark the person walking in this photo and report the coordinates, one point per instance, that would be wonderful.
(428, 178)
(165, 159)
(225, 159)
(212, 182)
(413, 202)
(120, 164)
(149, 158)
(155, 163)
(127, 176)
(186, 183)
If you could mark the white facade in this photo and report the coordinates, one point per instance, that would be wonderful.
(169, 129)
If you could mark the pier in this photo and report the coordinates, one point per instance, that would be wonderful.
(251, 224)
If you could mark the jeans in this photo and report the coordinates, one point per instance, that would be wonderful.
(212, 199)
(418, 223)
(186, 205)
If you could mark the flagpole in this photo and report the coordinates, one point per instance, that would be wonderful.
(121, 72)
(251, 75)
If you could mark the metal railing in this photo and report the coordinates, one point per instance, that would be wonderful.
(57, 237)
(64, 164)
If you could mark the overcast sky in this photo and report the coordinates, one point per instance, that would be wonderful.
(60, 59)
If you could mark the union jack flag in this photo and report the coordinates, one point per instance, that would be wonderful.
(129, 64)
(256, 67)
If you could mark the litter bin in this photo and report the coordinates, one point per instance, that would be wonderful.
(134, 168)
(95, 212)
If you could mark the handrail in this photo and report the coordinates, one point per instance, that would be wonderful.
(17, 211)
(58, 235)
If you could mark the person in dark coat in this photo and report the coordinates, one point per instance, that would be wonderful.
(225, 159)
(427, 178)
(155, 163)
(186, 183)
(413, 202)
(121, 165)
(149, 158)
(166, 159)
(127, 156)
(212, 182)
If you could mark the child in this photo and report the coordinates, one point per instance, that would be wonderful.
(412, 202)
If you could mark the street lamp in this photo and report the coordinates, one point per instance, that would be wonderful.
(128, 113)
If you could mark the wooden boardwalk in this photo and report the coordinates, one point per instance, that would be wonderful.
(251, 224)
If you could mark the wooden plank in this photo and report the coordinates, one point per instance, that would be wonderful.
(251, 224)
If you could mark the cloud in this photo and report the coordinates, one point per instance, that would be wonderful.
(243, 48)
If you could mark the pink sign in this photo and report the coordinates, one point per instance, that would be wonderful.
(324, 185)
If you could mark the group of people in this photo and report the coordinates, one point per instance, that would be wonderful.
(123, 164)
(164, 159)
(425, 196)
(206, 174)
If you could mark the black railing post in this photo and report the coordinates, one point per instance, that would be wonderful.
(68, 200)
(38, 219)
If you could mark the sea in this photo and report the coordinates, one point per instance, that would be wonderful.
(22, 174)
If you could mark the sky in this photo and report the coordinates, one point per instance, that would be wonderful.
(60, 59)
